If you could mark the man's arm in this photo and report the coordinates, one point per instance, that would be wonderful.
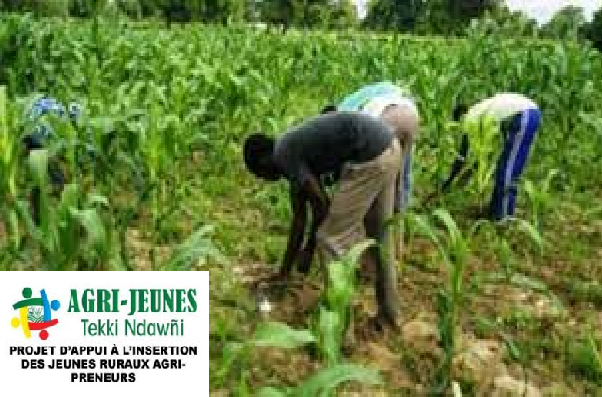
(459, 163)
(319, 202)
(298, 203)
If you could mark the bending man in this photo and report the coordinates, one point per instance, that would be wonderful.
(394, 106)
(519, 119)
(363, 151)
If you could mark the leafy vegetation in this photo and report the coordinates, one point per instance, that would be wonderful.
(156, 181)
(593, 30)
(440, 17)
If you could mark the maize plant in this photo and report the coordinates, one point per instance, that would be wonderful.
(540, 198)
(485, 138)
(454, 248)
(334, 319)
(278, 335)
(69, 233)
(9, 165)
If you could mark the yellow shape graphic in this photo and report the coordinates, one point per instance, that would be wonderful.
(22, 321)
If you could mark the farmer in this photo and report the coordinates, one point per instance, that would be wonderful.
(395, 107)
(368, 157)
(518, 118)
(40, 138)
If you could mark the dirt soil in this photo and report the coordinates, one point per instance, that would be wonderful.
(408, 357)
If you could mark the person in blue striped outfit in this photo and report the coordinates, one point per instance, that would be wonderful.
(393, 105)
(519, 119)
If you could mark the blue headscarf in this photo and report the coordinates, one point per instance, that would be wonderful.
(42, 132)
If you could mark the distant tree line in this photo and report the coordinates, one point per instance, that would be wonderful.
(442, 17)
(454, 17)
(307, 13)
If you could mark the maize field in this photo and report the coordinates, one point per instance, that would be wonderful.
(156, 181)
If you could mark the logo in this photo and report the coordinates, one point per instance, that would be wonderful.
(35, 314)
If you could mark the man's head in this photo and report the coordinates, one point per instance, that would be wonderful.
(259, 157)
(329, 109)
(459, 111)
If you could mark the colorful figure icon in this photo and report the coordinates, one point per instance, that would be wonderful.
(30, 323)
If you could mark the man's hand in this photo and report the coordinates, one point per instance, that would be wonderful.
(304, 260)
(295, 240)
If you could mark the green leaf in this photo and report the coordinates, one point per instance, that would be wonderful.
(531, 232)
(451, 226)
(329, 379)
(273, 334)
(513, 350)
(583, 358)
(70, 196)
(341, 285)
(553, 173)
(198, 248)
(330, 330)
(3, 117)
(92, 224)
(271, 392)
(597, 357)
(38, 164)
(520, 280)
(354, 254)
(424, 228)
(98, 199)
(231, 352)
